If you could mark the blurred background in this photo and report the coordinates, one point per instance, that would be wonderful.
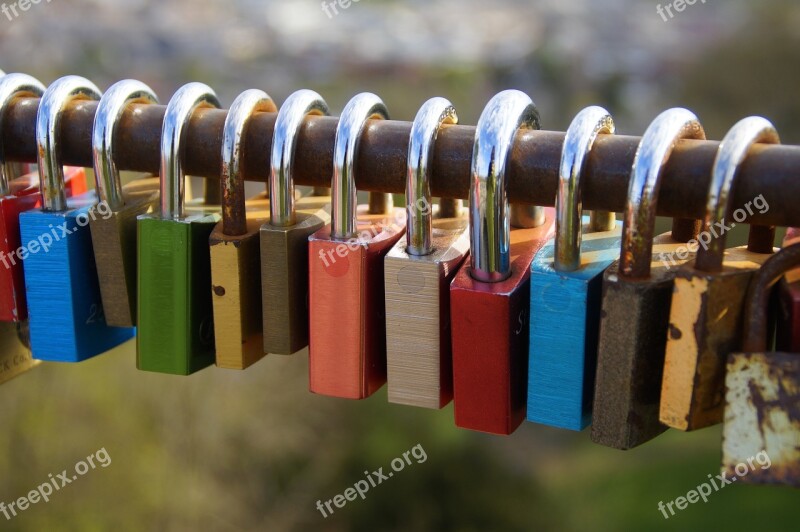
(254, 450)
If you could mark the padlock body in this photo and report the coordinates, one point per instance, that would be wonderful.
(631, 349)
(23, 195)
(706, 323)
(67, 322)
(284, 276)
(490, 339)
(762, 406)
(564, 329)
(175, 316)
(236, 289)
(347, 315)
(418, 337)
(15, 354)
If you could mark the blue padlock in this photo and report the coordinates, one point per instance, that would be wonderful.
(64, 304)
(566, 290)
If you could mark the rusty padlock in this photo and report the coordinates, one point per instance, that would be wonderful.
(235, 252)
(418, 272)
(788, 335)
(114, 233)
(284, 238)
(762, 391)
(637, 293)
(707, 303)
(490, 295)
(347, 320)
(566, 289)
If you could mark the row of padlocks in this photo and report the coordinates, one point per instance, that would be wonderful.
(512, 312)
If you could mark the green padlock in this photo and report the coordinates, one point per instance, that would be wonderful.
(175, 318)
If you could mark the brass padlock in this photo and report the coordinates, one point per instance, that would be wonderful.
(637, 293)
(235, 253)
(706, 315)
(284, 238)
(417, 273)
(114, 233)
(762, 391)
(347, 320)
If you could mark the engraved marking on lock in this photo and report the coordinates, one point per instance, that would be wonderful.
(410, 280)
(206, 330)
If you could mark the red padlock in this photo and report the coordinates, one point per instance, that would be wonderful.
(788, 337)
(490, 297)
(347, 314)
(16, 196)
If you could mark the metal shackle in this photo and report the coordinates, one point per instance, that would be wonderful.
(13, 86)
(582, 132)
(756, 311)
(248, 103)
(419, 208)
(48, 125)
(356, 113)
(489, 216)
(652, 155)
(732, 152)
(180, 108)
(109, 112)
(284, 143)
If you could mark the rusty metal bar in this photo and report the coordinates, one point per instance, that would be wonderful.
(771, 171)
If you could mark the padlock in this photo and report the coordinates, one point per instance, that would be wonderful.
(114, 234)
(637, 293)
(788, 334)
(762, 391)
(18, 194)
(175, 317)
(490, 295)
(66, 312)
(347, 320)
(235, 252)
(284, 238)
(706, 314)
(566, 290)
(418, 272)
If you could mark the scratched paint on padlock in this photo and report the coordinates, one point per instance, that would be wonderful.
(762, 413)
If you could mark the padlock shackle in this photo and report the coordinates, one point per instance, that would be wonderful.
(356, 113)
(732, 152)
(13, 86)
(582, 132)
(502, 118)
(652, 155)
(180, 108)
(419, 207)
(48, 126)
(232, 193)
(756, 312)
(284, 143)
(109, 112)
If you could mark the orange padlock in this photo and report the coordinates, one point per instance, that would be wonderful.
(347, 315)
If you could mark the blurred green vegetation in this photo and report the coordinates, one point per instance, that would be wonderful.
(254, 450)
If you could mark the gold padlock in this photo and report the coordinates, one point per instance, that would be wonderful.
(235, 253)
(114, 233)
(284, 238)
(707, 302)
(417, 275)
